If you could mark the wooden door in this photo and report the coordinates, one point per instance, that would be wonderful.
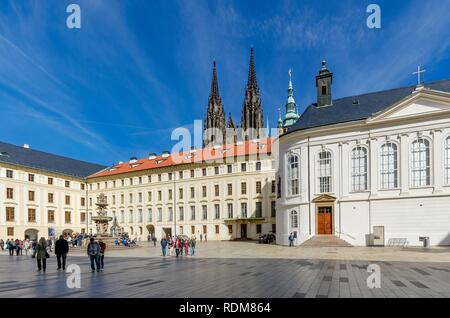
(324, 221)
(243, 230)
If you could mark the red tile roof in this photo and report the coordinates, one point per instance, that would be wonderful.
(218, 155)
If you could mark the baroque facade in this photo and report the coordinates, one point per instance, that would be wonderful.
(372, 169)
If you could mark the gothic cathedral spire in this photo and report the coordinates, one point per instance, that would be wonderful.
(215, 115)
(252, 112)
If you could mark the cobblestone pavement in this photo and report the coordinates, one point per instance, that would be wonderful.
(150, 275)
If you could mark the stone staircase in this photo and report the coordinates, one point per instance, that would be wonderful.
(325, 241)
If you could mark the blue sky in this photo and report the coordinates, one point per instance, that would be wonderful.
(137, 69)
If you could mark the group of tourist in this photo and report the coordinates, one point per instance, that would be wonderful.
(124, 240)
(40, 250)
(180, 245)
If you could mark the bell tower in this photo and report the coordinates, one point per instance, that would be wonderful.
(324, 81)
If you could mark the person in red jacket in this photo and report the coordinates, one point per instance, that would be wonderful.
(186, 247)
(102, 252)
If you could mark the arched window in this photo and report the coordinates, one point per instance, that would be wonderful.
(294, 219)
(293, 174)
(420, 163)
(359, 168)
(447, 161)
(324, 171)
(389, 166)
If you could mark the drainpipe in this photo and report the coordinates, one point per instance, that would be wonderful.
(309, 186)
(340, 187)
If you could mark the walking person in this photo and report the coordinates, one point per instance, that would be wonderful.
(61, 250)
(27, 246)
(163, 246)
(18, 247)
(10, 247)
(186, 246)
(192, 244)
(41, 254)
(49, 244)
(154, 241)
(170, 246)
(93, 250)
(177, 246)
(291, 240)
(201, 237)
(102, 253)
(2, 245)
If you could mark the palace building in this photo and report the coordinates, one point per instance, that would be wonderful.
(372, 169)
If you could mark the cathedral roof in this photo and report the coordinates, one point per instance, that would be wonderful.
(358, 107)
(218, 154)
(34, 159)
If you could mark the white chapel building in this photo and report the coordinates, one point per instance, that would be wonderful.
(372, 169)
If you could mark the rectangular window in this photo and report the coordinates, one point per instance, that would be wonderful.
(149, 179)
(31, 177)
(243, 188)
(140, 215)
(170, 211)
(258, 166)
(50, 181)
(273, 209)
(131, 181)
(106, 184)
(258, 210)
(181, 212)
(90, 201)
(230, 210)
(180, 174)
(274, 228)
(67, 200)
(130, 217)
(159, 214)
(205, 229)
(83, 217)
(230, 168)
(82, 185)
(30, 195)
(217, 229)
(149, 196)
(205, 212)
(67, 184)
(243, 167)
(113, 199)
(83, 201)
(204, 191)
(149, 216)
(230, 229)
(192, 212)
(324, 173)
(216, 190)
(181, 230)
(140, 180)
(204, 172)
(258, 228)
(131, 197)
(273, 186)
(140, 197)
(216, 211)
(67, 217)
(192, 229)
(192, 192)
(10, 231)
(170, 176)
(122, 182)
(9, 193)
(230, 189)
(9, 174)
(50, 198)
(159, 177)
(122, 199)
(159, 195)
(192, 173)
(258, 187)
(51, 216)
(170, 194)
(243, 209)
(9, 214)
(32, 215)
(180, 193)
(216, 170)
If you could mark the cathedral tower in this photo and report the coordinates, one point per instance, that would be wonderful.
(215, 115)
(252, 112)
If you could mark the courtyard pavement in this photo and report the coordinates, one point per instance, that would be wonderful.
(237, 269)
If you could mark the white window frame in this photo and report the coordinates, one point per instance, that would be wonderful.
(420, 163)
(389, 165)
(293, 221)
(323, 172)
(293, 174)
(359, 166)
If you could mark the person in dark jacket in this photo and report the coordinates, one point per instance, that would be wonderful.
(102, 253)
(61, 250)
(41, 254)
